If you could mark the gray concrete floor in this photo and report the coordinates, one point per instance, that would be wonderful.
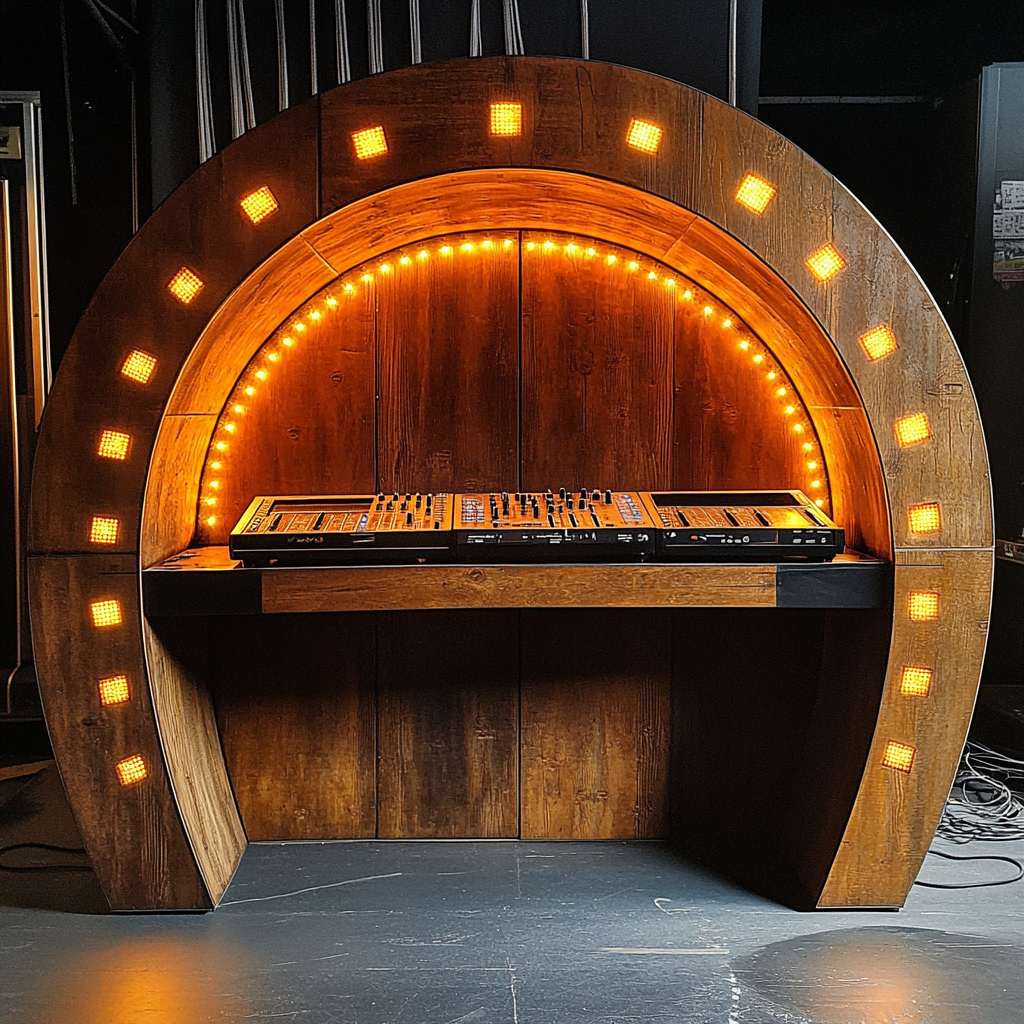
(480, 933)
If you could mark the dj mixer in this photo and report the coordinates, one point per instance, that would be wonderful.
(357, 529)
(535, 526)
(553, 526)
(700, 526)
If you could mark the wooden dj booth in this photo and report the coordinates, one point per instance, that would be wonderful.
(509, 275)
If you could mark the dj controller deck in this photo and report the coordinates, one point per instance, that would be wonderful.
(535, 527)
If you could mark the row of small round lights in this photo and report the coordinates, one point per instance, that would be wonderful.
(272, 355)
(747, 346)
(270, 358)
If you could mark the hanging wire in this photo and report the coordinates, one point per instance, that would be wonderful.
(414, 31)
(513, 31)
(67, 104)
(243, 45)
(207, 139)
(234, 72)
(282, 57)
(376, 42)
(585, 29)
(314, 78)
(341, 42)
(476, 41)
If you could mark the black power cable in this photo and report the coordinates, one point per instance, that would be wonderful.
(974, 885)
(44, 867)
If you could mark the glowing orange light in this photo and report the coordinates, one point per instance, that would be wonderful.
(744, 345)
(808, 446)
(755, 193)
(506, 119)
(230, 427)
(727, 322)
(708, 311)
(446, 250)
(507, 243)
(422, 254)
(185, 286)
(780, 392)
(815, 483)
(925, 518)
(114, 690)
(790, 409)
(114, 444)
(220, 446)
(272, 357)
(300, 327)
(923, 605)
(652, 276)
(549, 244)
(486, 244)
(240, 409)
(826, 262)
(106, 613)
(215, 465)
(332, 301)
(139, 366)
(287, 342)
(131, 770)
(912, 429)
(211, 521)
(687, 294)
(644, 136)
(633, 265)
(916, 681)
(820, 502)
(879, 342)
(772, 375)
(670, 282)
(215, 484)
(611, 258)
(104, 530)
(593, 252)
(798, 427)
(758, 359)
(812, 465)
(898, 756)
(259, 205)
(467, 247)
(250, 391)
(370, 142)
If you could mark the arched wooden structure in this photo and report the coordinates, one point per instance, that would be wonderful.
(143, 386)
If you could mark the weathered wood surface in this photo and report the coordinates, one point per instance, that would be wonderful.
(448, 371)
(448, 725)
(359, 588)
(133, 835)
(176, 663)
(595, 724)
(298, 732)
(895, 814)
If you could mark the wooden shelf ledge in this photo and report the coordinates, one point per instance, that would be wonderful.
(205, 581)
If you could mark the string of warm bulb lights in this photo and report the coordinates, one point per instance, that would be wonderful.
(271, 356)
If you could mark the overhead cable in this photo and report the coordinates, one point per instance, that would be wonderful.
(341, 42)
(282, 56)
(414, 31)
(207, 139)
(513, 31)
(375, 36)
(476, 41)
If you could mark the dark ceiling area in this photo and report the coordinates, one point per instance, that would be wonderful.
(907, 160)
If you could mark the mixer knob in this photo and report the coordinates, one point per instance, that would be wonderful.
(561, 493)
(608, 497)
(583, 494)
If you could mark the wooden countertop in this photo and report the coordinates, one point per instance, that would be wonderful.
(206, 581)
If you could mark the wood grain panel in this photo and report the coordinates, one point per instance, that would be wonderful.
(493, 199)
(729, 430)
(448, 329)
(743, 688)
(133, 835)
(576, 116)
(204, 229)
(597, 373)
(310, 426)
(595, 724)
(177, 668)
(925, 374)
(172, 487)
(385, 588)
(448, 725)
(298, 732)
(797, 222)
(895, 814)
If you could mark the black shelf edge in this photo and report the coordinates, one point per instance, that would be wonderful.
(833, 585)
